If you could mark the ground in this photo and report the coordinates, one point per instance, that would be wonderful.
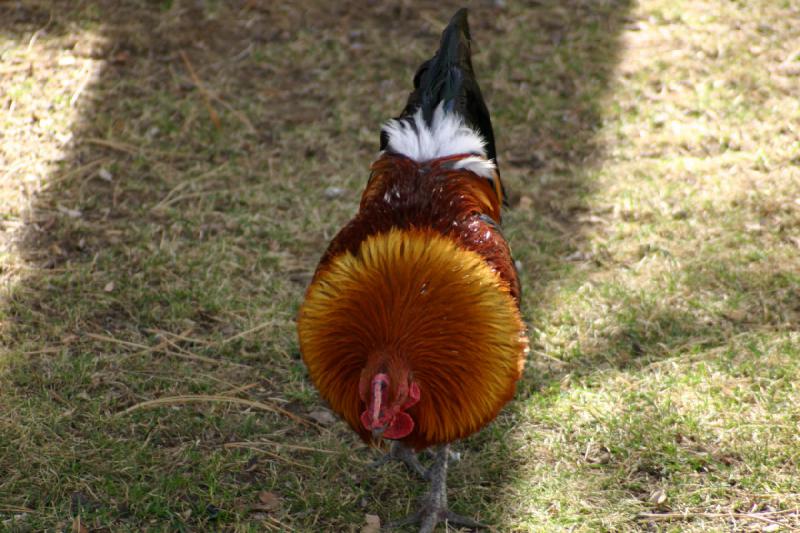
(170, 173)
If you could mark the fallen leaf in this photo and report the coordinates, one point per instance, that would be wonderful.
(578, 256)
(121, 57)
(269, 501)
(658, 497)
(104, 174)
(735, 315)
(600, 458)
(754, 228)
(373, 524)
(323, 417)
(78, 527)
(72, 213)
(334, 192)
(109, 286)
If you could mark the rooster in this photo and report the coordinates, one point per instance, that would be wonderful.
(411, 328)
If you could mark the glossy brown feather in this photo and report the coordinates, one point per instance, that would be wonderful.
(402, 193)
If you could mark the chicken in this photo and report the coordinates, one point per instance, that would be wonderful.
(411, 328)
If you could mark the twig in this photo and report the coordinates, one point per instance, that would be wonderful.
(86, 79)
(77, 170)
(196, 398)
(208, 96)
(548, 356)
(183, 352)
(277, 445)
(271, 454)
(187, 196)
(238, 390)
(39, 32)
(120, 341)
(247, 332)
(50, 349)
(241, 55)
(161, 348)
(270, 527)
(241, 116)
(14, 509)
(690, 514)
(114, 145)
(133, 150)
(202, 89)
(181, 336)
(791, 57)
(192, 181)
(753, 516)
(283, 527)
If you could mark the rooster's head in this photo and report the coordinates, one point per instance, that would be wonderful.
(386, 401)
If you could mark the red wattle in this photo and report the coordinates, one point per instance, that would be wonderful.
(402, 425)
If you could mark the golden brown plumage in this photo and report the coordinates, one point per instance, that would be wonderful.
(417, 300)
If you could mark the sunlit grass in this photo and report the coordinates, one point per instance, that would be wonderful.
(45, 80)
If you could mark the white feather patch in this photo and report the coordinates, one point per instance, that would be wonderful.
(479, 165)
(447, 135)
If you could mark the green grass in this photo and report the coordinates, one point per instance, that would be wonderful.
(652, 154)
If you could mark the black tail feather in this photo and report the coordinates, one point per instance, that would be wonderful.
(448, 78)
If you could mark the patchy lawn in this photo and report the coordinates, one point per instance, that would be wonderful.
(171, 171)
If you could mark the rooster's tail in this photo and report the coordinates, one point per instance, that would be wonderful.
(445, 114)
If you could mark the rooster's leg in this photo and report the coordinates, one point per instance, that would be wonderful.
(454, 457)
(401, 452)
(434, 505)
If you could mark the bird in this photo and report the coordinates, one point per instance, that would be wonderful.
(411, 327)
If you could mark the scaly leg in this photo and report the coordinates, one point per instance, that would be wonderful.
(434, 505)
(454, 457)
(403, 453)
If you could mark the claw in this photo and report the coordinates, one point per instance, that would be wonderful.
(413, 518)
(464, 521)
(429, 518)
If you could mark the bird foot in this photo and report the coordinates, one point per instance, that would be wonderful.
(404, 454)
(430, 516)
(433, 507)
